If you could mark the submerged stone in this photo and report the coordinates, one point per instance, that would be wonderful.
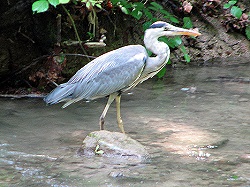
(112, 144)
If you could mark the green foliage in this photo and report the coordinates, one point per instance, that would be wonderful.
(53, 2)
(43, 5)
(40, 6)
(229, 4)
(90, 35)
(162, 72)
(91, 3)
(187, 23)
(172, 42)
(135, 9)
(186, 56)
(63, 1)
(236, 12)
(139, 10)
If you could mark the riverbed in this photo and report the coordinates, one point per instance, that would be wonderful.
(195, 124)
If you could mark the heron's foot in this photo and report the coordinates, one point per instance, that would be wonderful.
(101, 123)
(120, 125)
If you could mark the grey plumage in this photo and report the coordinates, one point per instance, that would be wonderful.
(119, 70)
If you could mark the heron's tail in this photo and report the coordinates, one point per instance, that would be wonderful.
(61, 93)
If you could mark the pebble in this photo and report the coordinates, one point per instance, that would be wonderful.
(243, 100)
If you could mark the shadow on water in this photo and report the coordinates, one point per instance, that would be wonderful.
(195, 125)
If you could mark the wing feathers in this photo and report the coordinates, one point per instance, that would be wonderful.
(109, 73)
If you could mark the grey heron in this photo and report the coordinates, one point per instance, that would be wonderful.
(119, 70)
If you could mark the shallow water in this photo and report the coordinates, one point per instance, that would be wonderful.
(194, 123)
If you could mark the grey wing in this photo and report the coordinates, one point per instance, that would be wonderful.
(109, 73)
(114, 72)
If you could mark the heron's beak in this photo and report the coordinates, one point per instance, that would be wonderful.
(187, 32)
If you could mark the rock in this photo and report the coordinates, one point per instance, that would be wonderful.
(243, 100)
(116, 174)
(245, 158)
(112, 144)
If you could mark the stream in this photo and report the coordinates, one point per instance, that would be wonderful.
(194, 123)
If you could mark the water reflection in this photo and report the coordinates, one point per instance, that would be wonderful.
(195, 138)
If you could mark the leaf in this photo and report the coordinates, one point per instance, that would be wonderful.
(125, 10)
(229, 4)
(88, 5)
(226, 6)
(172, 42)
(235, 177)
(161, 73)
(187, 58)
(98, 6)
(173, 19)
(125, 4)
(136, 14)
(232, 2)
(183, 49)
(147, 13)
(166, 13)
(90, 35)
(54, 2)
(176, 40)
(138, 6)
(146, 25)
(156, 5)
(149, 53)
(40, 6)
(248, 32)
(166, 40)
(236, 12)
(63, 1)
(154, 19)
(114, 2)
(153, 8)
(187, 23)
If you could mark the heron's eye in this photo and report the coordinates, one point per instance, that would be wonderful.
(166, 28)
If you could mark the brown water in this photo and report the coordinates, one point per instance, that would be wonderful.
(194, 123)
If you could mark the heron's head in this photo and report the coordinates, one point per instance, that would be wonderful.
(161, 28)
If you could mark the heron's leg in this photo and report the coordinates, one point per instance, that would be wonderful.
(118, 113)
(110, 100)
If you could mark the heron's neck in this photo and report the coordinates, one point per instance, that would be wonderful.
(160, 49)
(154, 45)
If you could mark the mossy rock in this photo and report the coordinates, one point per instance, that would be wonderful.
(113, 144)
